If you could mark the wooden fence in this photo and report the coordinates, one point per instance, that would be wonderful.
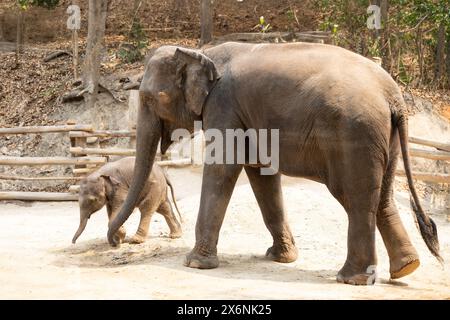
(86, 159)
(83, 159)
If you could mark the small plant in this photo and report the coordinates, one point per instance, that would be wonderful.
(403, 75)
(23, 4)
(293, 20)
(334, 30)
(374, 48)
(262, 25)
(49, 4)
(334, 34)
(134, 50)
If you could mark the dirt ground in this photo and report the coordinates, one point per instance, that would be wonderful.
(38, 261)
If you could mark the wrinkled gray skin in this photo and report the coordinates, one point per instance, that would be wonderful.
(342, 122)
(109, 186)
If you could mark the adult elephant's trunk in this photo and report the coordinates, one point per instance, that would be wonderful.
(147, 139)
(83, 223)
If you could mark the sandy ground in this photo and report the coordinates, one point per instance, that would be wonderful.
(37, 259)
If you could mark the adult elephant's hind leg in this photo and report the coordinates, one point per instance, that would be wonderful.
(217, 186)
(360, 187)
(403, 257)
(267, 190)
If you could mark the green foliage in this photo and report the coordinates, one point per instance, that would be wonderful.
(133, 51)
(403, 75)
(23, 4)
(49, 4)
(409, 36)
(262, 25)
(435, 11)
(373, 48)
(290, 14)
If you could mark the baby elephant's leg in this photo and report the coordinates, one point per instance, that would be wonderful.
(166, 210)
(112, 213)
(147, 211)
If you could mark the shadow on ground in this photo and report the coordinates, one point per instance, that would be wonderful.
(97, 253)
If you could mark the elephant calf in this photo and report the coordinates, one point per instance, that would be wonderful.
(109, 185)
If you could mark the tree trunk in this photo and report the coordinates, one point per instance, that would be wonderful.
(448, 60)
(440, 54)
(20, 33)
(386, 50)
(96, 32)
(75, 47)
(382, 36)
(206, 21)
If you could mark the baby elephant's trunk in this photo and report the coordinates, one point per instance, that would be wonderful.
(83, 223)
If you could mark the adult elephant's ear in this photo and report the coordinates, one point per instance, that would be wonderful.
(196, 75)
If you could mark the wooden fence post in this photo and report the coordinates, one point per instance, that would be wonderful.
(206, 21)
(133, 104)
(78, 142)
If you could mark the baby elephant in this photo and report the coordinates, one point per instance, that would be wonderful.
(109, 185)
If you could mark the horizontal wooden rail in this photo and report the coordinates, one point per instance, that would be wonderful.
(102, 134)
(39, 161)
(177, 162)
(45, 129)
(38, 196)
(83, 170)
(74, 189)
(12, 178)
(427, 176)
(429, 154)
(430, 143)
(109, 151)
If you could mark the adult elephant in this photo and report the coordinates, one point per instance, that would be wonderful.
(342, 121)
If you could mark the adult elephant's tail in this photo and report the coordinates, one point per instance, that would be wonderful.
(425, 224)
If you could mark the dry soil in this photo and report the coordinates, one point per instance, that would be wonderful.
(37, 259)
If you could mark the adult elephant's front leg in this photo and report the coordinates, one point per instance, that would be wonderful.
(267, 190)
(217, 187)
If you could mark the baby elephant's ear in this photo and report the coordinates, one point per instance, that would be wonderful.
(111, 179)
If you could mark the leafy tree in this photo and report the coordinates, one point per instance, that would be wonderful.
(413, 42)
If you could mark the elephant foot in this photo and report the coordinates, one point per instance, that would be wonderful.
(357, 278)
(176, 234)
(404, 266)
(137, 239)
(195, 260)
(117, 241)
(119, 237)
(283, 254)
